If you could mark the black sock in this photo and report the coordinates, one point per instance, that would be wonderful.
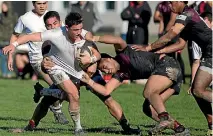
(163, 116)
(124, 123)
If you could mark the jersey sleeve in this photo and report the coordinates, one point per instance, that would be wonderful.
(19, 27)
(47, 35)
(83, 33)
(183, 18)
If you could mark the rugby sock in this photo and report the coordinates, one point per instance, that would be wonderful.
(56, 109)
(75, 115)
(163, 116)
(57, 93)
(124, 123)
(20, 71)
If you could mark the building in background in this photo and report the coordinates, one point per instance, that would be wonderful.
(109, 11)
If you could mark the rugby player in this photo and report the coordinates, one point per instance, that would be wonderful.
(130, 64)
(70, 37)
(191, 26)
(30, 22)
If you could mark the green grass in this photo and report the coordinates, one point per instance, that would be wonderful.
(17, 107)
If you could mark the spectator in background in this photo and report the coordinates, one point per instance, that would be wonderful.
(138, 13)
(91, 18)
(7, 22)
(166, 19)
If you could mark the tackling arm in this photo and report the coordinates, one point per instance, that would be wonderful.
(162, 41)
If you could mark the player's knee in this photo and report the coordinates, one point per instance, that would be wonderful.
(147, 94)
(108, 100)
(146, 108)
(74, 97)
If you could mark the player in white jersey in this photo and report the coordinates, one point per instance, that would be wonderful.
(31, 22)
(71, 39)
(64, 41)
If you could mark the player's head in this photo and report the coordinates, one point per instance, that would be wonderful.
(107, 64)
(40, 7)
(207, 16)
(74, 25)
(4, 7)
(52, 20)
(178, 6)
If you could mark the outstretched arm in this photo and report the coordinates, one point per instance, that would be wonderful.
(35, 37)
(179, 45)
(118, 42)
(162, 41)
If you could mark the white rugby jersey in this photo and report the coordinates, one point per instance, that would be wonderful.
(31, 23)
(62, 49)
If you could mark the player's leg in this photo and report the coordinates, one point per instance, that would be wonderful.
(150, 111)
(202, 95)
(113, 106)
(62, 79)
(57, 106)
(40, 112)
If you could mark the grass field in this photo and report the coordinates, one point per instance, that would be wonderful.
(16, 108)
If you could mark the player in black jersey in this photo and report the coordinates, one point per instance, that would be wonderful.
(163, 74)
(191, 26)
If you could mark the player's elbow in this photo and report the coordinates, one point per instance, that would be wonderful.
(181, 43)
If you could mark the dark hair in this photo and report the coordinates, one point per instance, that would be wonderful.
(73, 18)
(50, 14)
(185, 2)
(104, 56)
(208, 15)
(33, 2)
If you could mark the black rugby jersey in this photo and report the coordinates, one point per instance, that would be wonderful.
(196, 30)
(135, 64)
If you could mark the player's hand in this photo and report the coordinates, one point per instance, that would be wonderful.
(91, 69)
(84, 59)
(138, 48)
(161, 51)
(10, 62)
(85, 78)
(7, 49)
(47, 63)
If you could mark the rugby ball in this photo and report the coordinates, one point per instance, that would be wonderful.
(87, 52)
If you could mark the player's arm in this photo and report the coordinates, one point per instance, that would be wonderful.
(35, 37)
(179, 45)
(104, 90)
(171, 21)
(118, 42)
(162, 41)
(180, 23)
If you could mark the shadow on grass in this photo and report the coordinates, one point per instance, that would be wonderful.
(13, 118)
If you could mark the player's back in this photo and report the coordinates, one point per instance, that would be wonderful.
(139, 64)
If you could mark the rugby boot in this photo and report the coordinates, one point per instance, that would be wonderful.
(79, 132)
(31, 126)
(60, 118)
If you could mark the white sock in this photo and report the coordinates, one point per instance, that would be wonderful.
(75, 115)
(56, 109)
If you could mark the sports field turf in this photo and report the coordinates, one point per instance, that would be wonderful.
(16, 108)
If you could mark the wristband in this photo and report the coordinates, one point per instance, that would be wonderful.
(15, 44)
(93, 59)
